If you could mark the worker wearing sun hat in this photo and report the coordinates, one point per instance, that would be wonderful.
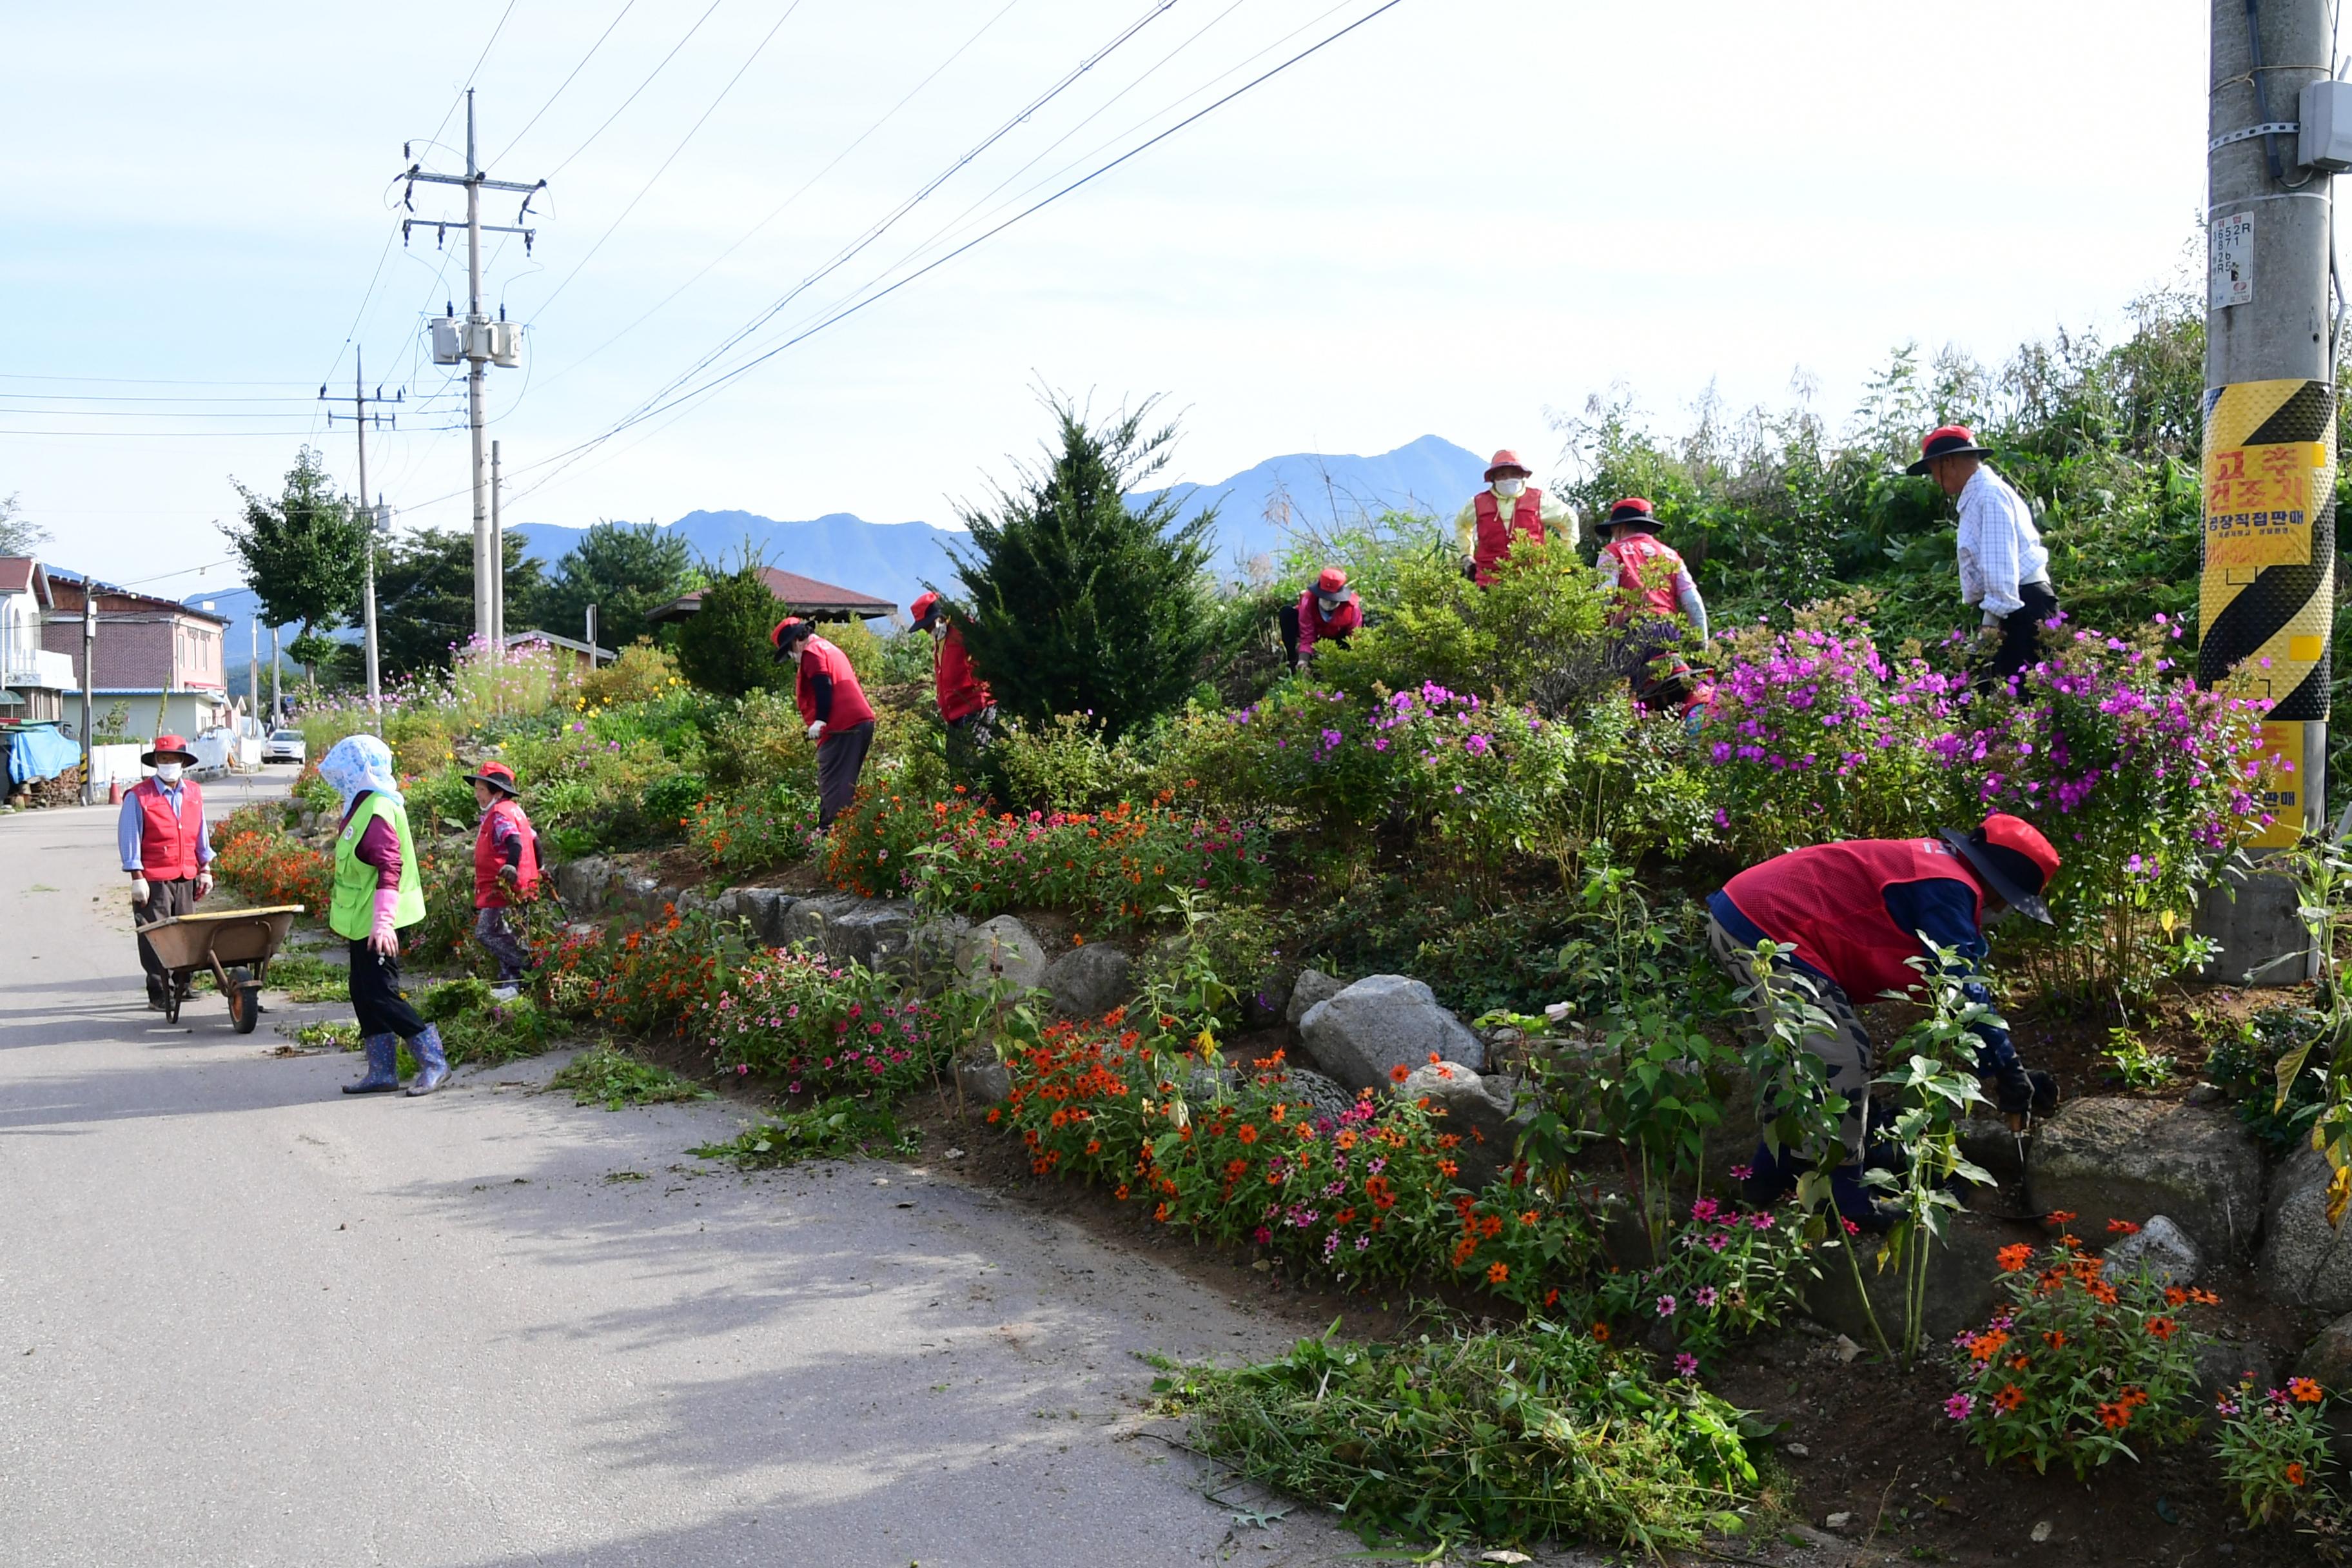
(1857, 914)
(1327, 611)
(834, 706)
(966, 706)
(2004, 568)
(166, 850)
(506, 868)
(1656, 596)
(1507, 509)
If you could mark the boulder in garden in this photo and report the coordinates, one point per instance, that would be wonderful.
(2160, 1249)
(1963, 1271)
(762, 912)
(1311, 986)
(2327, 1360)
(2305, 1261)
(582, 884)
(1088, 982)
(2111, 1158)
(813, 924)
(1382, 1022)
(1479, 1109)
(1326, 1098)
(1000, 947)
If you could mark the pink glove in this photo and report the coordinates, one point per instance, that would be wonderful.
(384, 938)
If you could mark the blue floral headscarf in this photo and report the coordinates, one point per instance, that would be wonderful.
(357, 764)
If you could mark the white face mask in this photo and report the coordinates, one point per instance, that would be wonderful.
(1509, 488)
(167, 772)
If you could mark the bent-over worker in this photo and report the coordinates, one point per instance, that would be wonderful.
(2004, 567)
(1857, 913)
(966, 705)
(834, 706)
(1329, 612)
(1507, 511)
(166, 850)
(1656, 596)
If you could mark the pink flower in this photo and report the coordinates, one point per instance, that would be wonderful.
(1685, 1365)
(1665, 1306)
(1960, 1406)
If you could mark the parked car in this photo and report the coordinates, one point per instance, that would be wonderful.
(285, 746)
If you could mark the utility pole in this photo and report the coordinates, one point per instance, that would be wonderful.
(498, 565)
(359, 401)
(481, 343)
(253, 671)
(88, 682)
(592, 636)
(2267, 592)
(277, 702)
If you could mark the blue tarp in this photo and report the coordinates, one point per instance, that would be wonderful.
(38, 752)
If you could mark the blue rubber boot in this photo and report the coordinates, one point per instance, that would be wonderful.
(383, 1066)
(431, 1064)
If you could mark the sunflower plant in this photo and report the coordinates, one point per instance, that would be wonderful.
(2078, 1367)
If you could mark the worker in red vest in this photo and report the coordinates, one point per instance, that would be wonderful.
(966, 707)
(1329, 612)
(831, 703)
(506, 868)
(1507, 511)
(1857, 914)
(1658, 602)
(166, 851)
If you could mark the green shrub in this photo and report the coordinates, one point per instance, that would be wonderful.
(1063, 763)
(641, 673)
(818, 1027)
(1534, 1433)
(756, 830)
(723, 647)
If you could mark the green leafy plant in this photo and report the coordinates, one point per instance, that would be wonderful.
(837, 1129)
(2077, 1368)
(2134, 1061)
(611, 1077)
(1725, 1274)
(2275, 1449)
(1536, 1432)
(819, 1027)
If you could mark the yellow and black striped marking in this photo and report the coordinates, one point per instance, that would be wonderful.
(2269, 588)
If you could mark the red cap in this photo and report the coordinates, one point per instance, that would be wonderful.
(925, 603)
(776, 634)
(2011, 859)
(1333, 581)
(2014, 833)
(1505, 458)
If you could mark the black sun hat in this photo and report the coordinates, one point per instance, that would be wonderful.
(2012, 857)
(1946, 441)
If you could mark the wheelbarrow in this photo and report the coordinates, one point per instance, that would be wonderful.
(237, 945)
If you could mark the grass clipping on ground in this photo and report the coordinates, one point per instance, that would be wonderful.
(1530, 1434)
(613, 1079)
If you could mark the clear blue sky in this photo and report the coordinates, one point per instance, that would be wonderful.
(1465, 217)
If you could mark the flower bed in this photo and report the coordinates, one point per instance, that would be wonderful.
(253, 853)
(820, 1029)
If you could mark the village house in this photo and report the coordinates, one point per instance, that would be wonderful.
(35, 683)
(161, 660)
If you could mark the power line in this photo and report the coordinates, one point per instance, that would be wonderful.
(778, 211)
(657, 70)
(139, 381)
(571, 454)
(665, 163)
(627, 5)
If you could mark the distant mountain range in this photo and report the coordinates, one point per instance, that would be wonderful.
(1256, 509)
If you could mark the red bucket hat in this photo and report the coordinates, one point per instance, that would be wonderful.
(1505, 459)
(1633, 508)
(791, 626)
(171, 746)
(1946, 441)
(499, 776)
(2012, 857)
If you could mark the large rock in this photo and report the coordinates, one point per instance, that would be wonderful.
(1962, 1271)
(1481, 1111)
(2329, 1358)
(638, 894)
(876, 935)
(1311, 986)
(1382, 1022)
(2127, 1159)
(2161, 1249)
(983, 1080)
(582, 884)
(811, 924)
(1088, 982)
(2306, 1262)
(929, 957)
(1000, 947)
(1326, 1098)
(762, 912)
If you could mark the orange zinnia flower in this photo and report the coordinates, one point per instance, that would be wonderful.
(2295, 1474)
(2009, 1399)
(1399, 1073)
(2115, 1417)
(2015, 1257)
(1601, 1333)
(2305, 1392)
(1247, 1133)
(2060, 1217)
(2122, 1228)
(1498, 1272)
(2162, 1328)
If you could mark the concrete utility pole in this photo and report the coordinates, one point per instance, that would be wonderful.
(482, 343)
(277, 704)
(498, 565)
(359, 401)
(88, 682)
(592, 636)
(253, 667)
(2268, 587)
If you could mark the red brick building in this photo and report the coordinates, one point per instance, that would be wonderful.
(157, 656)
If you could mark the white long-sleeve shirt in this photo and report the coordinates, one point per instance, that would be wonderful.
(1999, 548)
(1558, 521)
(1685, 588)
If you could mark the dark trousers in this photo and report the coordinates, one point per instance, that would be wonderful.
(164, 900)
(839, 760)
(1290, 637)
(492, 930)
(2019, 630)
(375, 995)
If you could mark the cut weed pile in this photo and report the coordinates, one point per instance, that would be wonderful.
(834, 1128)
(613, 1079)
(1532, 1433)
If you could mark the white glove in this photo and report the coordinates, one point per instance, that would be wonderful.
(138, 889)
(816, 729)
(203, 884)
(1990, 619)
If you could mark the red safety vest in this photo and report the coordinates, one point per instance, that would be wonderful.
(1314, 627)
(167, 844)
(1495, 535)
(1646, 568)
(850, 708)
(490, 892)
(1829, 900)
(961, 692)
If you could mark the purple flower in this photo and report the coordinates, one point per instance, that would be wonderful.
(1665, 1306)
(1685, 1365)
(1960, 1406)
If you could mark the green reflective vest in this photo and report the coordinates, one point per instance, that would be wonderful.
(354, 912)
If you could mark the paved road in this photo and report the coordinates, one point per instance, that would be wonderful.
(246, 1321)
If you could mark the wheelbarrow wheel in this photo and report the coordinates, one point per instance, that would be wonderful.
(171, 1002)
(245, 1006)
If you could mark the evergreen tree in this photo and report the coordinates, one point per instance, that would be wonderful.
(1076, 601)
(425, 597)
(303, 552)
(625, 571)
(723, 647)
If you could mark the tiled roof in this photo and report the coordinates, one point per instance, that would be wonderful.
(805, 595)
(16, 573)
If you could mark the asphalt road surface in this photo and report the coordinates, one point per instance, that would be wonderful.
(246, 1320)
